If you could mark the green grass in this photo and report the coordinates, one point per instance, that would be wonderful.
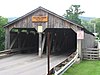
(84, 68)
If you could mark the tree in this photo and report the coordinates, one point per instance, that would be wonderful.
(73, 13)
(3, 21)
(96, 21)
(88, 25)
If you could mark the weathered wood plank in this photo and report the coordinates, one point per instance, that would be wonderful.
(7, 39)
(43, 42)
(13, 42)
(91, 53)
(53, 22)
(40, 45)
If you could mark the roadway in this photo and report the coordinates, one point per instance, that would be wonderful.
(27, 64)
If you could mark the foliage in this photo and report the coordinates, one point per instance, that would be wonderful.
(84, 68)
(96, 21)
(88, 25)
(3, 21)
(73, 13)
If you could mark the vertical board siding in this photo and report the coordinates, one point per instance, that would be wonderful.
(39, 13)
(53, 22)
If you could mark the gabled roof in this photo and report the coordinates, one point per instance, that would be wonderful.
(41, 8)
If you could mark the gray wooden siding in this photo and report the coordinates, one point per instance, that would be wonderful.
(53, 22)
(88, 42)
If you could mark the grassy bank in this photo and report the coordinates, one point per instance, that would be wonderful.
(84, 68)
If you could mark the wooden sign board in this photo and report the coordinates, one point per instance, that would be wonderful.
(40, 29)
(39, 18)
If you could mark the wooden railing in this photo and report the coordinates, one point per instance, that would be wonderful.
(9, 52)
(91, 53)
(5, 51)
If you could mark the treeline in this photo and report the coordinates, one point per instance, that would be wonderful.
(93, 26)
(3, 21)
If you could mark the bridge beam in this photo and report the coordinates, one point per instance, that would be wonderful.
(40, 45)
(43, 42)
(79, 48)
(7, 38)
(14, 41)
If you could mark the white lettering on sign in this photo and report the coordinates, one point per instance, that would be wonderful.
(80, 34)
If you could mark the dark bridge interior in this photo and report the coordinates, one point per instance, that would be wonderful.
(26, 40)
(62, 40)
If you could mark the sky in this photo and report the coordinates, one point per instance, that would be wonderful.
(17, 8)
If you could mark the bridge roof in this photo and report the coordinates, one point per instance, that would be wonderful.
(41, 8)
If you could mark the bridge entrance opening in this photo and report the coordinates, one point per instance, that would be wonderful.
(24, 40)
(62, 41)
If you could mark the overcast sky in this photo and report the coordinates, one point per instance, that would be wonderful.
(17, 8)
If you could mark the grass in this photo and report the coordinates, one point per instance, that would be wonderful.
(84, 68)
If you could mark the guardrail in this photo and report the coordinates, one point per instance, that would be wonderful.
(5, 51)
(14, 50)
(9, 52)
(65, 65)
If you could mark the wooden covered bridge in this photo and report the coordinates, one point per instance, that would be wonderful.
(29, 33)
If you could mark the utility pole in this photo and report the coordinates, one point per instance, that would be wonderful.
(48, 51)
(95, 33)
(94, 27)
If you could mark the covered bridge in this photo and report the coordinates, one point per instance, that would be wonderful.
(29, 32)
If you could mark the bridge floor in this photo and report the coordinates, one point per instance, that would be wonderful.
(27, 64)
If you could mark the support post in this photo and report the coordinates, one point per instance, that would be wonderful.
(79, 48)
(48, 52)
(7, 38)
(19, 39)
(43, 42)
(40, 45)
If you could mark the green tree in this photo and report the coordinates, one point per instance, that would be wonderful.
(73, 13)
(88, 25)
(96, 21)
(3, 21)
